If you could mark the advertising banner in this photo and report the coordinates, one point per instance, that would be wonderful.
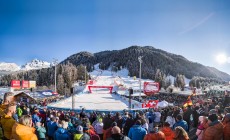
(25, 84)
(150, 104)
(32, 84)
(151, 88)
(15, 84)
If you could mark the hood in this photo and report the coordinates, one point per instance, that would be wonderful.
(167, 131)
(23, 130)
(218, 125)
(61, 131)
(117, 136)
(7, 117)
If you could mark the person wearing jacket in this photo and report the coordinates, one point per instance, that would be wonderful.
(24, 130)
(200, 130)
(19, 111)
(40, 131)
(117, 135)
(99, 128)
(61, 133)
(181, 122)
(155, 134)
(227, 127)
(7, 121)
(215, 129)
(51, 128)
(186, 117)
(170, 119)
(35, 117)
(169, 133)
(180, 134)
(136, 132)
(80, 135)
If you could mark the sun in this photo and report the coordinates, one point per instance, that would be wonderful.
(221, 58)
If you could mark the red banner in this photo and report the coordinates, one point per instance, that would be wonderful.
(150, 104)
(25, 84)
(151, 88)
(15, 84)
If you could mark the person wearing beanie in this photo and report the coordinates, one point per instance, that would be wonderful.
(137, 132)
(215, 129)
(80, 135)
(117, 135)
(227, 127)
(99, 128)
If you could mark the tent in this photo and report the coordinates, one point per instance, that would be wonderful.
(163, 104)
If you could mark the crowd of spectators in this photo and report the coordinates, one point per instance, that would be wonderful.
(23, 122)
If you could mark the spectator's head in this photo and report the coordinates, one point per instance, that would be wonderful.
(212, 111)
(53, 119)
(11, 108)
(202, 119)
(180, 133)
(114, 124)
(138, 122)
(213, 117)
(116, 130)
(8, 98)
(179, 117)
(79, 129)
(166, 124)
(38, 124)
(26, 120)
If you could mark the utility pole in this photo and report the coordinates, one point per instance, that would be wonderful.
(140, 60)
(85, 74)
(55, 62)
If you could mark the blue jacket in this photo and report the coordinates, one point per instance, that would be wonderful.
(137, 133)
(35, 119)
(62, 134)
(51, 128)
(181, 123)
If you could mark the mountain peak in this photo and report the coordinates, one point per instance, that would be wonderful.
(35, 64)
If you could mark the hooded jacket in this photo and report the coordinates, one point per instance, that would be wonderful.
(137, 133)
(155, 136)
(41, 132)
(7, 124)
(22, 132)
(214, 131)
(181, 123)
(118, 137)
(51, 128)
(169, 133)
(62, 134)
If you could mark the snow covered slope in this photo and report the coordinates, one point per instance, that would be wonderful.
(9, 67)
(35, 64)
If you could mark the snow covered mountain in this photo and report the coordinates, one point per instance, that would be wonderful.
(9, 67)
(35, 64)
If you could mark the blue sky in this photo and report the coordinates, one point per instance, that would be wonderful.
(47, 29)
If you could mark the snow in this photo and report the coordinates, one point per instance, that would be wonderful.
(35, 64)
(9, 67)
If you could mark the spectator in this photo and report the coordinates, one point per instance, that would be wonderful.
(117, 135)
(200, 130)
(40, 131)
(155, 134)
(35, 117)
(215, 129)
(180, 122)
(99, 128)
(137, 132)
(227, 127)
(109, 131)
(24, 130)
(80, 135)
(7, 121)
(187, 115)
(180, 134)
(62, 133)
(170, 120)
(128, 124)
(51, 128)
(169, 134)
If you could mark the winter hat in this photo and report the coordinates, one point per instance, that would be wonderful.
(79, 129)
(213, 117)
(212, 111)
